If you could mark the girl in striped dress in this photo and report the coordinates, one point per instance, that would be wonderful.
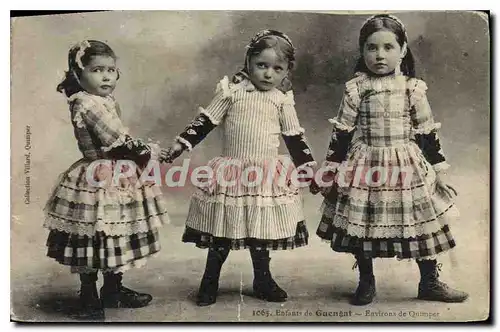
(234, 210)
(95, 224)
(390, 197)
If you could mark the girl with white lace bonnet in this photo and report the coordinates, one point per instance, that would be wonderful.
(253, 110)
(97, 224)
(366, 212)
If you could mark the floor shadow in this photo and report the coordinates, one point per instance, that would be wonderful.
(61, 305)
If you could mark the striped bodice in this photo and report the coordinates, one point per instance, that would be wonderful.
(252, 120)
(252, 127)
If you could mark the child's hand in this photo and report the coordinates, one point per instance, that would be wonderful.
(165, 156)
(169, 155)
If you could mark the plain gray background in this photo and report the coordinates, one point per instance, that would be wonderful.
(170, 63)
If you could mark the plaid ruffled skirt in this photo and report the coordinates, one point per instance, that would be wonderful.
(405, 219)
(106, 228)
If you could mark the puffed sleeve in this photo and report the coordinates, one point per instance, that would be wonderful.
(344, 124)
(293, 133)
(424, 127)
(208, 118)
(108, 128)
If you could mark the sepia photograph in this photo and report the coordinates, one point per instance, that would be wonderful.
(250, 166)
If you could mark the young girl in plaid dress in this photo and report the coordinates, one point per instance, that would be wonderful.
(406, 209)
(254, 109)
(110, 227)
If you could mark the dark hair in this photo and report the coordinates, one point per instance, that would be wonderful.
(283, 47)
(70, 84)
(389, 23)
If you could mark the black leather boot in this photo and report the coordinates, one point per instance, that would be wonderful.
(90, 305)
(264, 286)
(115, 295)
(209, 286)
(365, 293)
(431, 288)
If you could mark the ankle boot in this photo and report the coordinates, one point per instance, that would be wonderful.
(209, 286)
(366, 291)
(264, 286)
(115, 295)
(90, 305)
(431, 288)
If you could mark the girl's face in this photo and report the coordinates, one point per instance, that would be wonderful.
(267, 70)
(382, 52)
(99, 76)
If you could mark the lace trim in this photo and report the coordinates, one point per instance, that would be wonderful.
(352, 89)
(341, 126)
(373, 200)
(120, 141)
(330, 165)
(389, 231)
(442, 166)
(90, 99)
(108, 227)
(433, 257)
(84, 103)
(78, 118)
(388, 196)
(228, 88)
(83, 97)
(223, 86)
(418, 91)
(184, 142)
(209, 116)
(307, 164)
(428, 128)
(294, 132)
(289, 98)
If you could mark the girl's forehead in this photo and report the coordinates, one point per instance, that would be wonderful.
(101, 60)
(382, 36)
(270, 55)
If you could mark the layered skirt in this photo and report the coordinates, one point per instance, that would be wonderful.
(247, 203)
(106, 227)
(386, 204)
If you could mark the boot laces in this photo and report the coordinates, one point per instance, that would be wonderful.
(438, 283)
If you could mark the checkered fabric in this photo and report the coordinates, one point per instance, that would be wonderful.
(78, 207)
(96, 122)
(386, 191)
(423, 246)
(101, 251)
(205, 240)
(113, 225)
